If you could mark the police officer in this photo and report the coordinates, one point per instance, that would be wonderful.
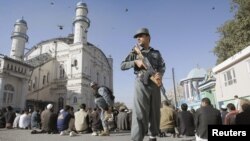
(147, 97)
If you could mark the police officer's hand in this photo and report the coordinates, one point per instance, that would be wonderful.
(158, 76)
(140, 64)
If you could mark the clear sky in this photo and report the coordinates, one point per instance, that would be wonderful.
(185, 31)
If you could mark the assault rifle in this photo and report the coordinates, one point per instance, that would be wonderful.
(149, 71)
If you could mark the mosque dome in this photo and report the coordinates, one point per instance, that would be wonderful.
(21, 21)
(196, 73)
(81, 4)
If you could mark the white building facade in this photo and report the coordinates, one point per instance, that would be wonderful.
(14, 77)
(233, 77)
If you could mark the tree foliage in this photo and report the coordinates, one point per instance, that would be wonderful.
(235, 33)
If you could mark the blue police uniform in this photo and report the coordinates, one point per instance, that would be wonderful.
(147, 97)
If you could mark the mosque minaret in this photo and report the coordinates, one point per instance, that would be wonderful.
(56, 70)
(19, 38)
(81, 23)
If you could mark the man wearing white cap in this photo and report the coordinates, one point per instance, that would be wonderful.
(45, 118)
(223, 111)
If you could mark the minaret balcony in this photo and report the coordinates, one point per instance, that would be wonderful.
(19, 34)
(82, 18)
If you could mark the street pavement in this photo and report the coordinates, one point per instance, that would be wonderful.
(25, 135)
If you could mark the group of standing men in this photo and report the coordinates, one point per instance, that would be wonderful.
(147, 95)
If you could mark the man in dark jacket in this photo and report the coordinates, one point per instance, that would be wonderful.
(2, 118)
(206, 115)
(243, 117)
(9, 117)
(185, 121)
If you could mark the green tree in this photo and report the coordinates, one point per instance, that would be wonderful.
(235, 33)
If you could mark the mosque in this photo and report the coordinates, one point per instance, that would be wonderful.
(56, 71)
(192, 95)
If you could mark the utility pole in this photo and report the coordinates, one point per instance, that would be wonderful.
(174, 88)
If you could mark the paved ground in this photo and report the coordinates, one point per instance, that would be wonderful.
(24, 135)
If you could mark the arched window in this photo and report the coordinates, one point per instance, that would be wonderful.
(30, 85)
(97, 77)
(34, 83)
(62, 71)
(44, 79)
(75, 100)
(104, 80)
(8, 94)
(48, 77)
(60, 103)
(8, 87)
(75, 62)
